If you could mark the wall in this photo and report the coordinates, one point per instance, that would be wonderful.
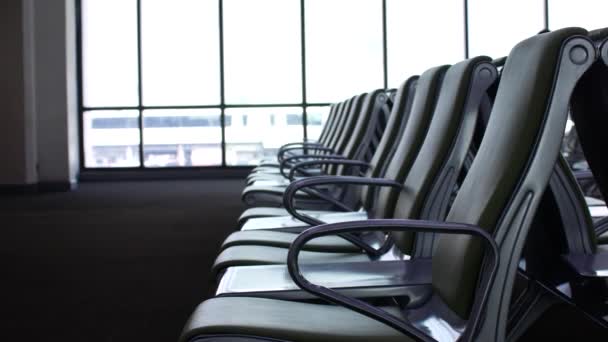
(56, 94)
(38, 105)
(17, 165)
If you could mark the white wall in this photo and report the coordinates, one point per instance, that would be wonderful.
(38, 101)
(56, 95)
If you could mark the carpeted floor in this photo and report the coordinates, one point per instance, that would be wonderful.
(125, 261)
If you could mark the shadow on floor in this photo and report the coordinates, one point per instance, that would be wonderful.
(125, 261)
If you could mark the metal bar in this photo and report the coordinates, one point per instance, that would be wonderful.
(257, 105)
(466, 29)
(303, 52)
(222, 88)
(80, 82)
(264, 105)
(89, 109)
(384, 45)
(140, 88)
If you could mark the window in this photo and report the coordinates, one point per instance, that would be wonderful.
(225, 82)
(411, 54)
(182, 137)
(294, 119)
(343, 48)
(495, 26)
(316, 118)
(262, 51)
(257, 138)
(590, 14)
(111, 138)
(114, 123)
(180, 52)
(109, 53)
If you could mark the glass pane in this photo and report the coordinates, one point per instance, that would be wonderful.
(257, 133)
(180, 52)
(109, 53)
(183, 137)
(343, 48)
(590, 14)
(316, 117)
(111, 138)
(495, 26)
(411, 54)
(262, 49)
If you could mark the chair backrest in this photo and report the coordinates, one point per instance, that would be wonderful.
(376, 126)
(403, 103)
(342, 113)
(506, 181)
(364, 142)
(576, 221)
(447, 140)
(350, 121)
(589, 109)
(427, 91)
(358, 141)
(589, 106)
(398, 118)
(329, 124)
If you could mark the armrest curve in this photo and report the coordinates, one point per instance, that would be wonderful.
(285, 163)
(394, 225)
(320, 148)
(293, 188)
(320, 162)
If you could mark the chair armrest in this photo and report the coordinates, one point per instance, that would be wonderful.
(293, 188)
(347, 162)
(281, 154)
(302, 143)
(393, 225)
(287, 162)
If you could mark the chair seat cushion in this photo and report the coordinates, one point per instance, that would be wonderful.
(260, 195)
(270, 212)
(284, 240)
(284, 320)
(266, 255)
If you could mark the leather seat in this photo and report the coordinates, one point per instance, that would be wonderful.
(398, 117)
(289, 321)
(284, 239)
(500, 193)
(448, 127)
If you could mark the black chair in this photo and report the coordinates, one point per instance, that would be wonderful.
(469, 293)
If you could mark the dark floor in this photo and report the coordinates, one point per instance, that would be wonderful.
(121, 261)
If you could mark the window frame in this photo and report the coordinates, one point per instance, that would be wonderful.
(141, 107)
(222, 106)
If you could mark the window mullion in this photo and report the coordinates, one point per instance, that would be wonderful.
(139, 88)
